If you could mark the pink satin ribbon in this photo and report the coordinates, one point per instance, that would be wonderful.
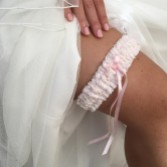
(117, 104)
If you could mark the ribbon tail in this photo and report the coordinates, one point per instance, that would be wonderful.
(98, 139)
(117, 102)
(108, 145)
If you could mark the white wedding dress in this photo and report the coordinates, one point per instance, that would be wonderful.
(40, 124)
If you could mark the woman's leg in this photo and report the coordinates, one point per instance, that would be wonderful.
(144, 106)
(144, 110)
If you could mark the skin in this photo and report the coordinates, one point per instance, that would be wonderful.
(144, 106)
(91, 15)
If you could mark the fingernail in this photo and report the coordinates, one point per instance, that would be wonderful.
(99, 33)
(69, 16)
(86, 31)
(106, 27)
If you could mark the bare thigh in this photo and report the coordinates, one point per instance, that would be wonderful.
(144, 105)
(145, 97)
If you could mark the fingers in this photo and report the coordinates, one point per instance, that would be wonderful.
(100, 7)
(80, 14)
(92, 18)
(68, 14)
(90, 12)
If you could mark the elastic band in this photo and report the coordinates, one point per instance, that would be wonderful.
(106, 79)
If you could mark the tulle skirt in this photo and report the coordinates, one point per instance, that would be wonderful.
(40, 123)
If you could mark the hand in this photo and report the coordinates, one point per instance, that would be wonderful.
(91, 15)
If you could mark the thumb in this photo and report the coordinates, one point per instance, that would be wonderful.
(68, 14)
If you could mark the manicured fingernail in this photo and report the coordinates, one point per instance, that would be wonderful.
(99, 33)
(86, 31)
(106, 27)
(69, 16)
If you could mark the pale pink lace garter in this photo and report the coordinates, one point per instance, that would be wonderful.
(108, 77)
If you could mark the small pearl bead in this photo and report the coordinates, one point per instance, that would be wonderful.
(116, 59)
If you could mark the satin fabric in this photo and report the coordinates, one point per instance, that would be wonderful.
(40, 123)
